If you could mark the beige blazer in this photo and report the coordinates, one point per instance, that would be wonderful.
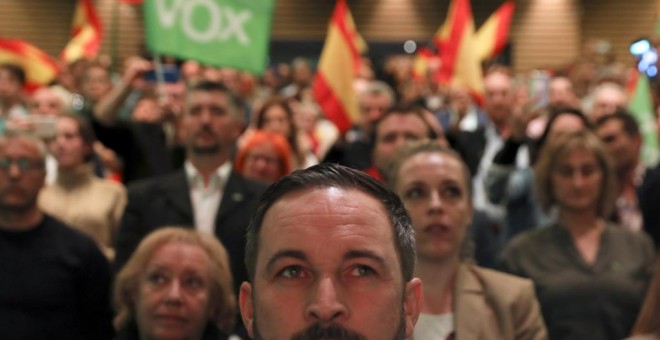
(494, 305)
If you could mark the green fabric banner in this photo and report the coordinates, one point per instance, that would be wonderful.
(641, 107)
(232, 33)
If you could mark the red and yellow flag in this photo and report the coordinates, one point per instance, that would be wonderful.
(340, 60)
(40, 68)
(86, 33)
(421, 63)
(494, 33)
(456, 46)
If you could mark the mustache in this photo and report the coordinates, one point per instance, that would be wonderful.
(205, 128)
(331, 331)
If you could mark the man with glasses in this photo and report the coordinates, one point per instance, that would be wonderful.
(54, 281)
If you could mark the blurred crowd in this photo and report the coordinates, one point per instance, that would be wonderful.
(556, 188)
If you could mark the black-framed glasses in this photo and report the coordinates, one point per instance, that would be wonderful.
(24, 164)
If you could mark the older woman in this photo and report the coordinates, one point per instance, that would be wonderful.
(590, 275)
(177, 285)
(460, 300)
(264, 156)
(78, 197)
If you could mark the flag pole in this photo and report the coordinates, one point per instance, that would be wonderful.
(160, 78)
(114, 32)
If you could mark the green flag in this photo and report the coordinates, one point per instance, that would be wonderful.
(641, 107)
(232, 33)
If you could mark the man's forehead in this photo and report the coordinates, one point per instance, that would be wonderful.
(315, 206)
(19, 145)
(402, 122)
(327, 222)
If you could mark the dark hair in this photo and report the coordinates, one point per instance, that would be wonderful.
(16, 71)
(86, 133)
(630, 125)
(554, 114)
(333, 175)
(210, 86)
(292, 138)
(403, 109)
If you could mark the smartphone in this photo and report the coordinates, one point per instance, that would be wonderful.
(44, 127)
(538, 88)
(170, 74)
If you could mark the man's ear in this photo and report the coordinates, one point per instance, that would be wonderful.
(247, 307)
(412, 304)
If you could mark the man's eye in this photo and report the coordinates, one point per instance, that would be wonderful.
(363, 271)
(292, 272)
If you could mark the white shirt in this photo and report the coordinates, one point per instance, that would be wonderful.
(206, 198)
(497, 213)
(434, 326)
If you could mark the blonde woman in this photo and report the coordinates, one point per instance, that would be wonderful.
(460, 300)
(177, 285)
(590, 275)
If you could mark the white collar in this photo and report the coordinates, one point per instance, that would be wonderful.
(218, 178)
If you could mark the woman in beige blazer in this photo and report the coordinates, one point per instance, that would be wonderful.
(460, 300)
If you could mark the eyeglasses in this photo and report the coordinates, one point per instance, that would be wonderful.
(24, 164)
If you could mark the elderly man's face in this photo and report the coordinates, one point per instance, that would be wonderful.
(327, 266)
(22, 174)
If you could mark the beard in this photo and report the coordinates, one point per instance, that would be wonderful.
(334, 331)
(206, 150)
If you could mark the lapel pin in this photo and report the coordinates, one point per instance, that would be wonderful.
(237, 197)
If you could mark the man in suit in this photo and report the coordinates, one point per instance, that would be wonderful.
(206, 194)
(639, 193)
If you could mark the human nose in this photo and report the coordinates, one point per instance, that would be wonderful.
(435, 203)
(173, 293)
(326, 304)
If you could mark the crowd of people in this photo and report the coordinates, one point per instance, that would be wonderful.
(215, 204)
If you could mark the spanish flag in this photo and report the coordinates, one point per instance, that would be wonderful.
(40, 68)
(492, 36)
(456, 46)
(340, 60)
(86, 33)
(421, 63)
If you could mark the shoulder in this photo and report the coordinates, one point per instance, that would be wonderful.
(530, 240)
(621, 237)
(502, 286)
(246, 185)
(69, 238)
(109, 186)
(156, 184)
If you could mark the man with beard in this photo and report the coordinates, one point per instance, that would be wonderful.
(330, 255)
(54, 281)
(206, 194)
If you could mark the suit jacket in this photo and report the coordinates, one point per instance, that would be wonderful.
(648, 196)
(165, 201)
(492, 305)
